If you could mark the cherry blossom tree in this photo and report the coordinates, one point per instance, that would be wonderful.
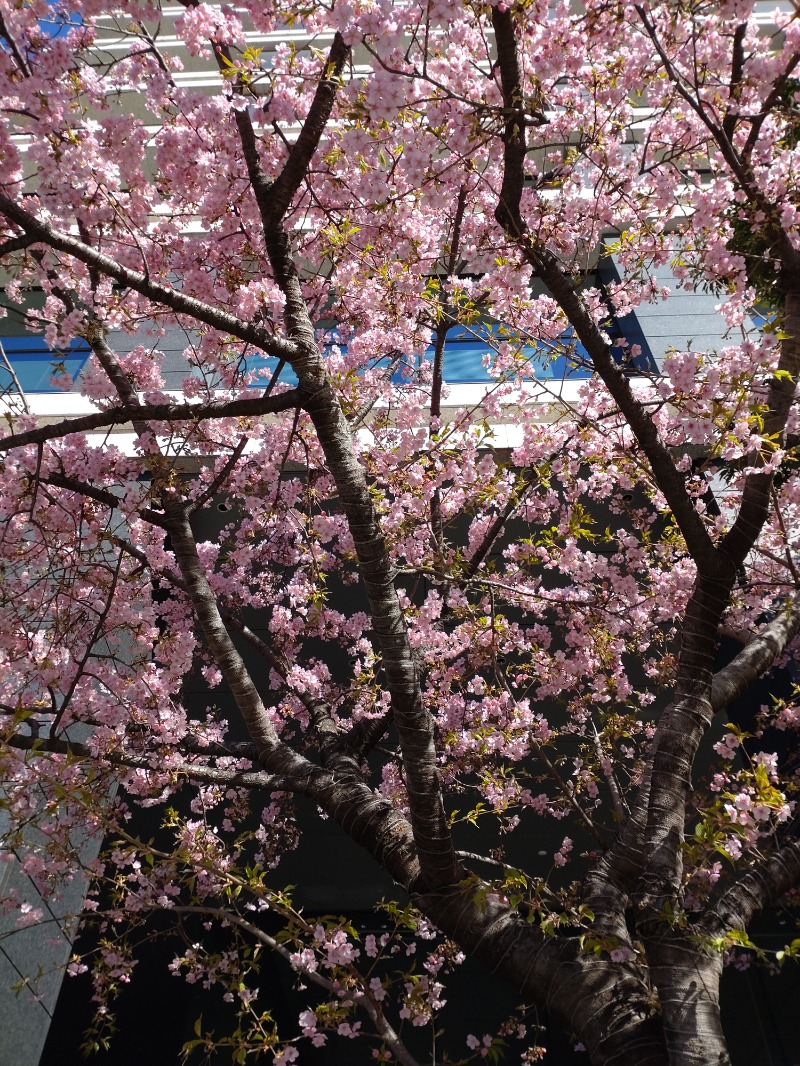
(505, 614)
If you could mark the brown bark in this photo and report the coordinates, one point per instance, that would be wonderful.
(436, 854)
(245, 407)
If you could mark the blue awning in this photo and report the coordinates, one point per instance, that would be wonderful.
(466, 354)
(39, 368)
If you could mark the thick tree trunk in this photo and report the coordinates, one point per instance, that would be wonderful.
(609, 1006)
(688, 984)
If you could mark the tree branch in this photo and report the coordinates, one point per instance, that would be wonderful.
(756, 657)
(361, 998)
(669, 480)
(335, 755)
(762, 885)
(780, 396)
(735, 87)
(233, 777)
(432, 836)
(739, 167)
(44, 233)
(295, 168)
(246, 407)
(15, 244)
(507, 213)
